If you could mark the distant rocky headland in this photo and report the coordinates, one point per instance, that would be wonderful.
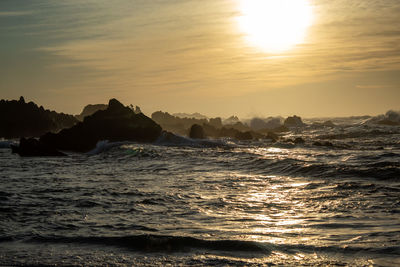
(46, 133)
(19, 118)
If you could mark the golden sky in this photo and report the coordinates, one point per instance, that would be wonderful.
(216, 57)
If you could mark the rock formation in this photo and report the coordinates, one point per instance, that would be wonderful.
(116, 123)
(34, 148)
(90, 110)
(196, 132)
(294, 121)
(21, 119)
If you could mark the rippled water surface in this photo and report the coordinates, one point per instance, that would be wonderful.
(208, 203)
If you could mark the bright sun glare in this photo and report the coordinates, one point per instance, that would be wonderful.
(274, 25)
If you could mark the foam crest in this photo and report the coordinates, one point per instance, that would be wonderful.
(103, 146)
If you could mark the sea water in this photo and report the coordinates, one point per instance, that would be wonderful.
(217, 202)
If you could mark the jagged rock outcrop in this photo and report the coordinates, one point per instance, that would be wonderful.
(116, 123)
(211, 131)
(238, 126)
(231, 120)
(196, 132)
(21, 119)
(216, 122)
(270, 123)
(175, 124)
(294, 121)
(90, 110)
(34, 148)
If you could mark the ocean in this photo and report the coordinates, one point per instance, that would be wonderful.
(208, 202)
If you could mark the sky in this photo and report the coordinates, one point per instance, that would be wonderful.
(197, 56)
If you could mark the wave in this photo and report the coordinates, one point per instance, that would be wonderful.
(169, 139)
(170, 244)
(356, 134)
(383, 168)
(389, 118)
(103, 146)
(159, 243)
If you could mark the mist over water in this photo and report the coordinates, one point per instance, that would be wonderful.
(217, 202)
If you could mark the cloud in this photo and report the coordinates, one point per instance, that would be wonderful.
(192, 48)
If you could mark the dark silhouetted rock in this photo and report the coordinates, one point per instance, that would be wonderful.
(294, 121)
(90, 110)
(21, 119)
(196, 132)
(273, 136)
(238, 126)
(175, 124)
(34, 148)
(225, 132)
(138, 110)
(211, 131)
(244, 135)
(280, 129)
(258, 124)
(116, 123)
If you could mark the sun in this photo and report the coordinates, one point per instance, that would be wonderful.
(274, 26)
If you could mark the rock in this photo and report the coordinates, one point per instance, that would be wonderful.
(21, 119)
(231, 120)
(34, 148)
(258, 124)
(239, 126)
(299, 140)
(116, 123)
(244, 135)
(294, 121)
(216, 122)
(273, 136)
(90, 110)
(280, 129)
(196, 132)
(175, 124)
(138, 110)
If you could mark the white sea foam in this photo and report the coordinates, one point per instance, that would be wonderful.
(391, 115)
(104, 145)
